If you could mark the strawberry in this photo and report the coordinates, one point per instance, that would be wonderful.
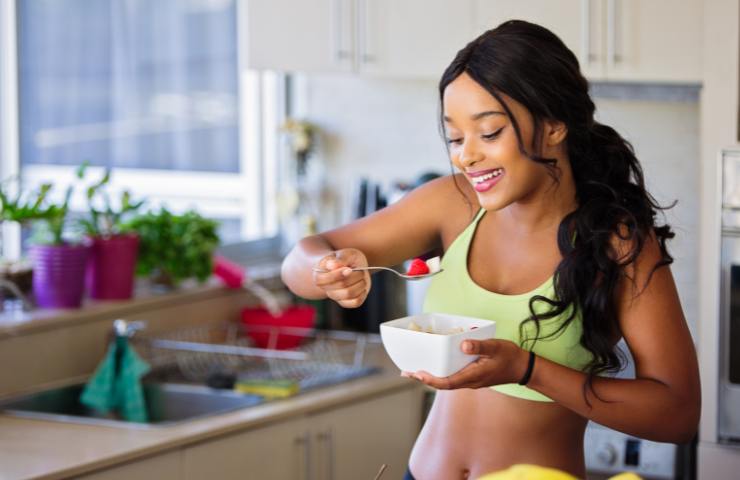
(418, 267)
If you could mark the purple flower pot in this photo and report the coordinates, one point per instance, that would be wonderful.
(111, 267)
(59, 275)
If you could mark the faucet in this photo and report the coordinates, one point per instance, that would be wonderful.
(123, 328)
(27, 305)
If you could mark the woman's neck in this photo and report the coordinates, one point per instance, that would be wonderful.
(545, 208)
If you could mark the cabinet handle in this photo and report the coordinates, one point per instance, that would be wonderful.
(362, 29)
(327, 438)
(340, 54)
(587, 55)
(611, 29)
(303, 442)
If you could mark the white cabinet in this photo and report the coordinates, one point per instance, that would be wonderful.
(393, 38)
(574, 21)
(654, 40)
(356, 440)
(302, 35)
(351, 441)
(275, 452)
(166, 466)
(618, 40)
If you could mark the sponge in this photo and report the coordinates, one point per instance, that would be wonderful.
(267, 388)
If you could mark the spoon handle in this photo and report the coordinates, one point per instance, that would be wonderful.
(402, 275)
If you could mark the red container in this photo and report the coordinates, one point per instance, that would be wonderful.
(257, 322)
(112, 266)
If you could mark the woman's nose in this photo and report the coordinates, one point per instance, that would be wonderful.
(470, 155)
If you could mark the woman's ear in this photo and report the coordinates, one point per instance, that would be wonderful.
(555, 132)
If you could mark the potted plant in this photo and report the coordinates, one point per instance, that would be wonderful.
(173, 247)
(112, 252)
(59, 261)
(21, 207)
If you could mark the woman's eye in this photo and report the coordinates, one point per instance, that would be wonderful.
(493, 135)
(454, 141)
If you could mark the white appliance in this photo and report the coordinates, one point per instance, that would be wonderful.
(610, 452)
(728, 421)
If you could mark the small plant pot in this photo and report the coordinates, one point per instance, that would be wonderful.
(111, 266)
(59, 275)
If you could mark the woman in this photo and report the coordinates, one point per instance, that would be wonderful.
(547, 229)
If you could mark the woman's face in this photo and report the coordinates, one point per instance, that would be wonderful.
(484, 146)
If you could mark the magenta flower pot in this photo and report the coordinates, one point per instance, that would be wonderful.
(112, 266)
(59, 275)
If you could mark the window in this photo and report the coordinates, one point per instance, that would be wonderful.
(155, 91)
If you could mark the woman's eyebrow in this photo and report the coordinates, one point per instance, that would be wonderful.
(478, 116)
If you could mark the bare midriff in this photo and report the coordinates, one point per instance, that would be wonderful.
(470, 433)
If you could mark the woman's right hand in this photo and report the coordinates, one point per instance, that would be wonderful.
(340, 283)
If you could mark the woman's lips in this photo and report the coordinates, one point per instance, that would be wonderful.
(487, 184)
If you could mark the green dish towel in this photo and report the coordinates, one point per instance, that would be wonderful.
(116, 383)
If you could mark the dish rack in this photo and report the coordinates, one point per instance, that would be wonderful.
(200, 354)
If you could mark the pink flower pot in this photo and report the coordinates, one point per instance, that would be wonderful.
(59, 275)
(112, 266)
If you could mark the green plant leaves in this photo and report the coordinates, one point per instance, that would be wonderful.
(174, 246)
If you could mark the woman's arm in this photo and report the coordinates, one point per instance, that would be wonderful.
(662, 403)
(408, 228)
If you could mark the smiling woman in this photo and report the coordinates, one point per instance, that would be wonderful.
(547, 230)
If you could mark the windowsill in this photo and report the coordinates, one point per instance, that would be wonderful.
(16, 323)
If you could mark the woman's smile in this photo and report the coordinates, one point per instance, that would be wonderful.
(484, 180)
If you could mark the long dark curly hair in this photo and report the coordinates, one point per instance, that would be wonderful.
(531, 65)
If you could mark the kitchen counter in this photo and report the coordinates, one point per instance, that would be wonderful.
(36, 449)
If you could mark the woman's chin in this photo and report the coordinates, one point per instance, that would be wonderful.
(491, 202)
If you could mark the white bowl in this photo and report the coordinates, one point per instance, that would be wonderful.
(435, 353)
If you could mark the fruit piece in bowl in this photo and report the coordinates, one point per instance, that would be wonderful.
(431, 341)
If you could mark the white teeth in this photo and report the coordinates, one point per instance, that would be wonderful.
(488, 176)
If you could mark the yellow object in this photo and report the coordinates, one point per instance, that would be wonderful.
(534, 472)
(267, 388)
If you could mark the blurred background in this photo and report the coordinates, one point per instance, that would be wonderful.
(283, 118)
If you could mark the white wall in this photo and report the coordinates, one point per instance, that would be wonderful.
(387, 130)
(719, 126)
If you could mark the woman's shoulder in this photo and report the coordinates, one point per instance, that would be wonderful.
(452, 199)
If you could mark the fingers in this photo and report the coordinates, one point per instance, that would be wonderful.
(349, 292)
(488, 348)
(347, 287)
(468, 377)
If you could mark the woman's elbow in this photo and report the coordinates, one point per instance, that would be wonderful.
(683, 421)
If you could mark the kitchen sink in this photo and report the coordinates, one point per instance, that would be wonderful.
(167, 404)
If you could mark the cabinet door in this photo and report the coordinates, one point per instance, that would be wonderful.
(658, 40)
(166, 466)
(411, 38)
(578, 23)
(302, 35)
(356, 440)
(276, 452)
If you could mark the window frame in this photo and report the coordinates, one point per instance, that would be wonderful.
(251, 193)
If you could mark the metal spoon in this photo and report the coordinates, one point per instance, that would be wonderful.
(402, 275)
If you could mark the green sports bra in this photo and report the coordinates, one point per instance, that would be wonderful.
(454, 292)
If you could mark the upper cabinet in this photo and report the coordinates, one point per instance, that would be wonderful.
(395, 38)
(574, 21)
(657, 40)
(304, 35)
(616, 40)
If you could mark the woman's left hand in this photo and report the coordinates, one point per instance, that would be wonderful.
(499, 361)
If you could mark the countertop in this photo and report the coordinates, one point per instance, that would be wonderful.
(37, 449)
